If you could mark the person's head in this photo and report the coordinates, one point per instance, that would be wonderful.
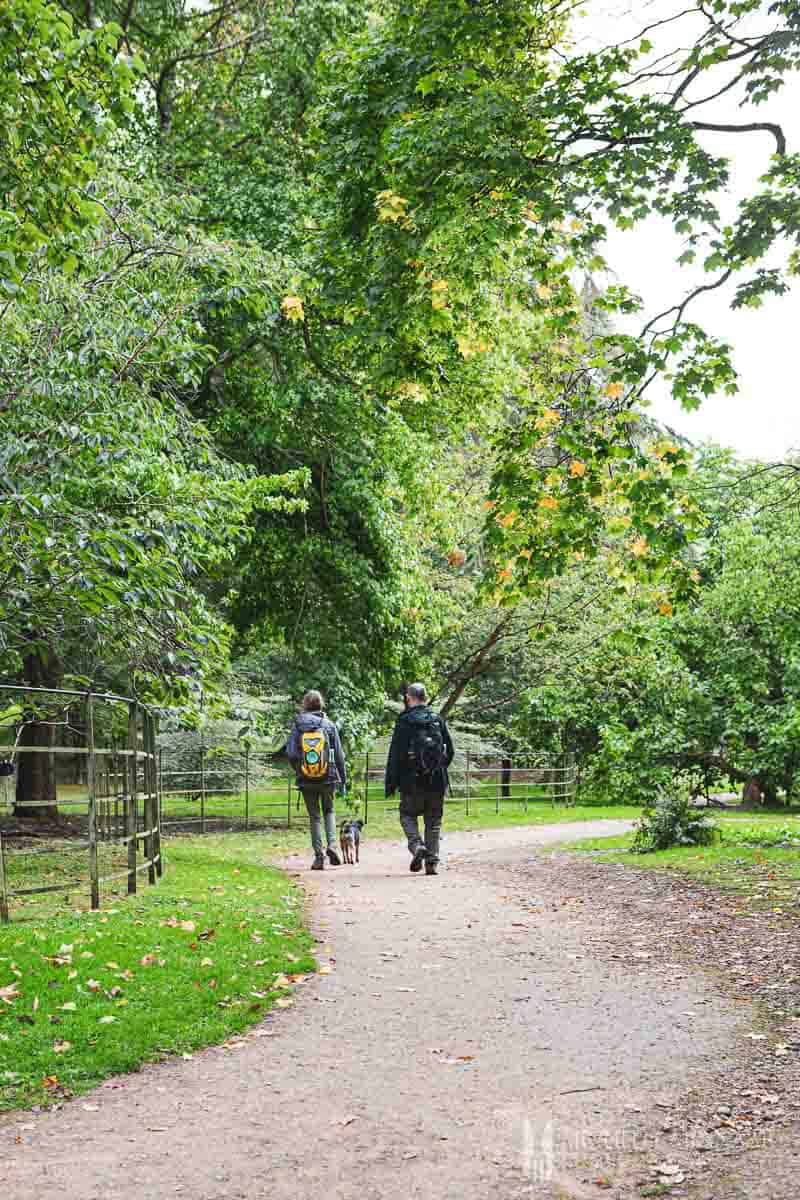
(312, 702)
(416, 694)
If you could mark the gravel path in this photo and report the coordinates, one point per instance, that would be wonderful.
(476, 1038)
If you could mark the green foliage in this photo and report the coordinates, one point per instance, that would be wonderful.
(117, 507)
(672, 821)
(61, 91)
(738, 834)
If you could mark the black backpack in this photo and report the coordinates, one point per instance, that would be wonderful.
(426, 750)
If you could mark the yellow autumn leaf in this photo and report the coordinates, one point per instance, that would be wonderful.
(577, 469)
(412, 391)
(548, 502)
(505, 574)
(665, 608)
(543, 291)
(526, 553)
(391, 207)
(439, 285)
(639, 547)
(284, 1002)
(292, 308)
(489, 505)
(507, 520)
(614, 391)
(548, 419)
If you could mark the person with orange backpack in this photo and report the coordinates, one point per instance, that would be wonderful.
(315, 751)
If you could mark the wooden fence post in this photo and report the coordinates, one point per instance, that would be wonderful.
(91, 778)
(131, 805)
(366, 787)
(202, 786)
(246, 786)
(289, 802)
(157, 787)
(4, 917)
(150, 792)
(466, 788)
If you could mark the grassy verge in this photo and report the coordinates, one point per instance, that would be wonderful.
(765, 877)
(384, 823)
(182, 965)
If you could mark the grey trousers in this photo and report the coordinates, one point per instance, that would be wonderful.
(313, 799)
(429, 806)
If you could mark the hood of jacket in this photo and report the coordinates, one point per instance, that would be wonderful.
(418, 715)
(311, 720)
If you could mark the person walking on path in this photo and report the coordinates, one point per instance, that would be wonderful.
(420, 753)
(315, 751)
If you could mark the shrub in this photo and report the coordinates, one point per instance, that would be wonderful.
(672, 821)
(755, 835)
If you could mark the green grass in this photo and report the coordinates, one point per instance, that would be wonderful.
(766, 878)
(384, 823)
(182, 965)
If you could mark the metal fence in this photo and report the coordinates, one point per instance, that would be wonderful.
(112, 816)
(233, 786)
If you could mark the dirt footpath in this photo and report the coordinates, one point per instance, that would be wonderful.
(497, 1031)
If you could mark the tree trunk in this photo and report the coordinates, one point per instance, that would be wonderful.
(506, 778)
(36, 774)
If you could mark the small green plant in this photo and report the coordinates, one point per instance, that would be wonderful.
(672, 821)
(764, 835)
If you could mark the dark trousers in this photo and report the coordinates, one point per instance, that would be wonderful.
(429, 806)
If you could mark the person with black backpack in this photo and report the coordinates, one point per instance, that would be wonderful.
(420, 753)
(315, 751)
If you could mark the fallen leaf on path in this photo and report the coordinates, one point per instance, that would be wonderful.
(284, 1002)
(50, 1082)
(326, 969)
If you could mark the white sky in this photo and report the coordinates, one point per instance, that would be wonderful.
(763, 419)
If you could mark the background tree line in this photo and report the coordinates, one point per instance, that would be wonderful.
(296, 365)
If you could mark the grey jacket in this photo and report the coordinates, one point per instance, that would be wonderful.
(337, 770)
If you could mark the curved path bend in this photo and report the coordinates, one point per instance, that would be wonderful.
(471, 1041)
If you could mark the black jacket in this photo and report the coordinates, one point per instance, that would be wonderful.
(337, 771)
(400, 773)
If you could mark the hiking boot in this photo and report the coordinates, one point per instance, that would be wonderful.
(420, 854)
(431, 868)
(333, 857)
(318, 864)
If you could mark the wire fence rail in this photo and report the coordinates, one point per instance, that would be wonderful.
(115, 814)
(225, 785)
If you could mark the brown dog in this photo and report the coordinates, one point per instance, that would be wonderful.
(350, 840)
